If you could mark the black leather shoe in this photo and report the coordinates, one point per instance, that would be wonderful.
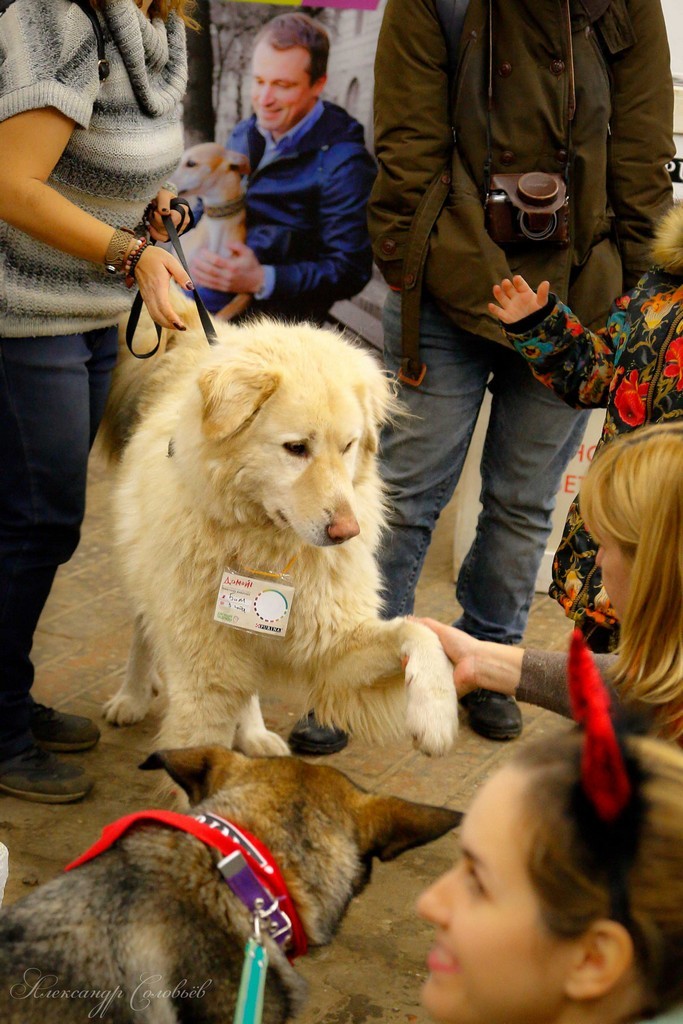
(57, 731)
(494, 715)
(310, 737)
(38, 775)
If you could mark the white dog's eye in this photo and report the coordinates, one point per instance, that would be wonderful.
(349, 446)
(298, 448)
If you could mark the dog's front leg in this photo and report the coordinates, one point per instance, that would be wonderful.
(252, 737)
(235, 307)
(363, 681)
(132, 700)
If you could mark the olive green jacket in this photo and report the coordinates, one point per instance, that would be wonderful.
(426, 212)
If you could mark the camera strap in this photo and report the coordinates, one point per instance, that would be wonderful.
(571, 99)
(102, 62)
(85, 6)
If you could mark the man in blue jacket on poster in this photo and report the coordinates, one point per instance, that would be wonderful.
(307, 239)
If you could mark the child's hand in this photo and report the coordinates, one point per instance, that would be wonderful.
(517, 299)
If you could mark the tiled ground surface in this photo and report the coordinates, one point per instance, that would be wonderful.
(373, 969)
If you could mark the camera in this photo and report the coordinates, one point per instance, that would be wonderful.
(531, 207)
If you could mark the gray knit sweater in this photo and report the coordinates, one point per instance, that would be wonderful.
(544, 678)
(127, 141)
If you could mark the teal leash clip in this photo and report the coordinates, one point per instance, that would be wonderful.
(249, 1008)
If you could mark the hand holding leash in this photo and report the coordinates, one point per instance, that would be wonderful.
(183, 279)
(152, 272)
(167, 204)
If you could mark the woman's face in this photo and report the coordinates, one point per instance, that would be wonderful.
(616, 570)
(493, 961)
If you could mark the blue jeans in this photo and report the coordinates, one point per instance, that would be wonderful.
(530, 438)
(52, 395)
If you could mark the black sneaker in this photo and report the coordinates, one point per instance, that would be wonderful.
(38, 775)
(53, 730)
(494, 715)
(310, 737)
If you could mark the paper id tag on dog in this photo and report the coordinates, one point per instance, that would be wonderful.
(258, 605)
(249, 1008)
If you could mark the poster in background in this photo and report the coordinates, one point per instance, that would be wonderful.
(221, 74)
(219, 90)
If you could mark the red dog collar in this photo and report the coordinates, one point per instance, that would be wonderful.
(248, 867)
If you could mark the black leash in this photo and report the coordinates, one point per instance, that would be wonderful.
(136, 309)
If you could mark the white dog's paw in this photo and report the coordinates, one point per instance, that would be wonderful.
(251, 735)
(432, 711)
(261, 744)
(125, 708)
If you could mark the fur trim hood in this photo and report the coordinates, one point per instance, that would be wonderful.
(667, 250)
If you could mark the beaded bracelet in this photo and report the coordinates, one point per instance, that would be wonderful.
(142, 240)
(133, 262)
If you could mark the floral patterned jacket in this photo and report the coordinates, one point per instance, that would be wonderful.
(633, 367)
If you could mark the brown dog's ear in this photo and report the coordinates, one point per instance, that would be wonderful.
(390, 826)
(232, 396)
(200, 771)
(237, 161)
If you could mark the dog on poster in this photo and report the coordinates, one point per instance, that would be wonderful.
(214, 175)
(235, 462)
(149, 932)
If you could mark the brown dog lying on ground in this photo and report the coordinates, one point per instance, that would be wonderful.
(149, 932)
(214, 174)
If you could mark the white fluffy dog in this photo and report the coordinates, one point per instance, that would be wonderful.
(241, 459)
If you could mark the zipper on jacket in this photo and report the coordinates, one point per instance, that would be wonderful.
(278, 160)
(654, 383)
(584, 585)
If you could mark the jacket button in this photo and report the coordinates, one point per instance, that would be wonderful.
(505, 69)
(507, 157)
(562, 156)
(557, 66)
(388, 247)
(446, 178)
(409, 280)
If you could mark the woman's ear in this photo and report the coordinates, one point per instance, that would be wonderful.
(604, 960)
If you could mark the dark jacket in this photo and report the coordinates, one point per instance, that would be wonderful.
(633, 367)
(614, 156)
(306, 215)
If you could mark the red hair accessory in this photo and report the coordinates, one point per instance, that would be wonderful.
(604, 776)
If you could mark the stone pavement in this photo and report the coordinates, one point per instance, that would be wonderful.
(373, 969)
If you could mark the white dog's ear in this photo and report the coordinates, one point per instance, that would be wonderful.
(378, 403)
(232, 396)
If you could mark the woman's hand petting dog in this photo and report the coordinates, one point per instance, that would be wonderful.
(478, 663)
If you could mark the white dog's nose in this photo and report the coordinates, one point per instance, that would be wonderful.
(343, 527)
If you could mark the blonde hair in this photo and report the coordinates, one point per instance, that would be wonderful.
(633, 494)
(573, 886)
(162, 9)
